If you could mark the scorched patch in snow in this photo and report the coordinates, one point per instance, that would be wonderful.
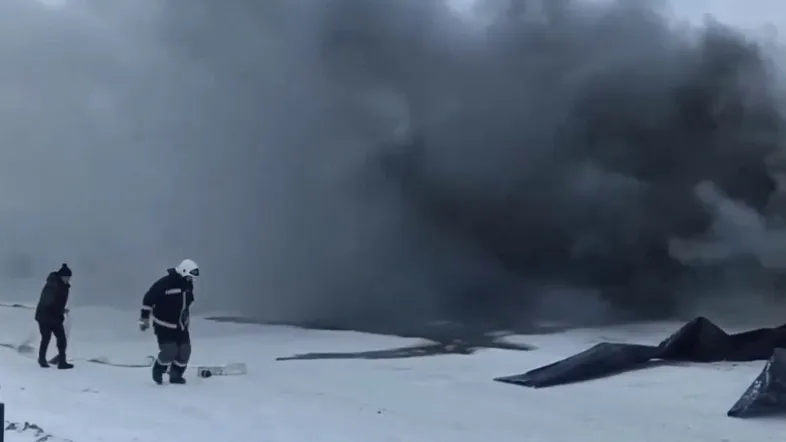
(414, 351)
(442, 338)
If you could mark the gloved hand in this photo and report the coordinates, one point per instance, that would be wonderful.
(144, 324)
(185, 318)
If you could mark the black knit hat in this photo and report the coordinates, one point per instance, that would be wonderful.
(65, 270)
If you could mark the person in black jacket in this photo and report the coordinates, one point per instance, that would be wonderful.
(50, 314)
(167, 305)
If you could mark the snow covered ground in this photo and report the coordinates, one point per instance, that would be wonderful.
(433, 399)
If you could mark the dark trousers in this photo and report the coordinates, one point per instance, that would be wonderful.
(174, 350)
(47, 329)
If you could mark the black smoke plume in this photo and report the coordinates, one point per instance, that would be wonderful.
(544, 164)
(379, 164)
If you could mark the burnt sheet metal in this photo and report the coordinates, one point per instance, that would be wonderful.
(767, 394)
(699, 341)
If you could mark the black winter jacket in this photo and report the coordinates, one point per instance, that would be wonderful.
(54, 298)
(168, 302)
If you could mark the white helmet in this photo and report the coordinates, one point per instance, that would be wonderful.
(187, 268)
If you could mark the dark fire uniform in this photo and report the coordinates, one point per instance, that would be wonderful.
(167, 304)
(50, 314)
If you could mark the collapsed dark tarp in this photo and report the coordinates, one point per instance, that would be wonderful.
(697, 341)
(767, 394)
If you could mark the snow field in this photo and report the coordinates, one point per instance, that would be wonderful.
(433, 399)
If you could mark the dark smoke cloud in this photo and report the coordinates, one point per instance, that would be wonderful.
(551, 159)
(381, 163)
